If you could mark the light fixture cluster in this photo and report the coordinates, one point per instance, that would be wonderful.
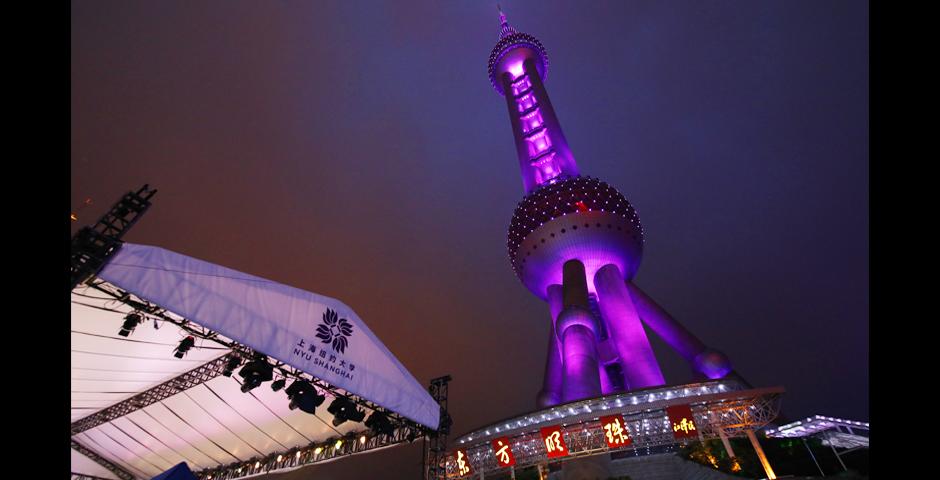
(303, 395)
(352, 442)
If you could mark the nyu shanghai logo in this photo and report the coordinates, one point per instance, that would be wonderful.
(334, 330)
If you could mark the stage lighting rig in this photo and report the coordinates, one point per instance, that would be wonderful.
(184, 346)
(343, 409)
(304, 396)
(130, 323)
(256, 372)
(278, 384)
(232, 364)
(379, 423)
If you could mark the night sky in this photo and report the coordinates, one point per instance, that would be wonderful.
(358, 150)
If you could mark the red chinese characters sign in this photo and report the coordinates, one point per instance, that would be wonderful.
(683, 425)
(554, 442)
(503, 452)
(615, 431)
(463, 463)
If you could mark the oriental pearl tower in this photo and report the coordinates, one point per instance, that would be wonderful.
(576, 242)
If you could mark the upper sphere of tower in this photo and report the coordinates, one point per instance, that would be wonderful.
(575, 218)
(512, 49)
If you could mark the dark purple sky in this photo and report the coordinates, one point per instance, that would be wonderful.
(357, 150)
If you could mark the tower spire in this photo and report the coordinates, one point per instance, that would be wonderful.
(504, 29)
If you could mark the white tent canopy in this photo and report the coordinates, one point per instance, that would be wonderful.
(214, 423)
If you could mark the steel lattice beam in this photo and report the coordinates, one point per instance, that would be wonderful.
(120, 472)
(435, 445)
(82, 476)
(91, 246)
(190, 379)
(312, 453)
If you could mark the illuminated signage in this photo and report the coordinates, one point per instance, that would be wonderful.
(463, 463)
(615, 431)
(683, 425)
(554, 442)
(503, 452)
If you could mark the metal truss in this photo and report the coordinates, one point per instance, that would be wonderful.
(82, 476)
(120, 472)
(317, 452)
(190, 379)
(649, 426)
(435, 444)
(91, 246)
(736, 416)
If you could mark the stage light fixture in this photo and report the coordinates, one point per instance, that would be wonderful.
(184, 346)
(130, 323)
(231, 365)
(379, 423)
(278, 384)
(343, 410)
(304, 396)
(256, 372)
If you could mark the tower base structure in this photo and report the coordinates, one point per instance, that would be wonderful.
(642, 422)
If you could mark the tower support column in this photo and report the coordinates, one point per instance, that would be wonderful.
(760, 454)
(637, 360)
(709, 362)
(577, 331)
(552, 384)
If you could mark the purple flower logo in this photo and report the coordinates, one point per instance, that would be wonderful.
(334, 330)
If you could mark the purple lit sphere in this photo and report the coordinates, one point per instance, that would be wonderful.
(576, 218)
(511, 52)
(712, 363)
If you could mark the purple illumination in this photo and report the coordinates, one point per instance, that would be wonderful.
(571, 236)
(551, 389)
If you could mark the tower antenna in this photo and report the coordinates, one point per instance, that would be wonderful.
(504, 28)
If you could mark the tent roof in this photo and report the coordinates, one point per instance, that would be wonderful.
(211, 424)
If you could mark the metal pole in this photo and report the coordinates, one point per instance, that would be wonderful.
(760, 454)
(725, 442)
(810, 450)
(829, 437)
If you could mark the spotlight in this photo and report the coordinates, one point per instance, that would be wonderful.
(304, 396)
(344, 409)
(278, 384)
(231, 365)
(184, 346)
(378, 422)
(255, 372)
(130, 323)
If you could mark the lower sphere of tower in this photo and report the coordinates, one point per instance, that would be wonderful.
(572, 316)
(713, 364)
(579, 218)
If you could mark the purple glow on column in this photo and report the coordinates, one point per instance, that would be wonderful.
(637, 360)
(711, 363)
(552, 384)
(526, 102)
(579, 355)
(531, 121)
